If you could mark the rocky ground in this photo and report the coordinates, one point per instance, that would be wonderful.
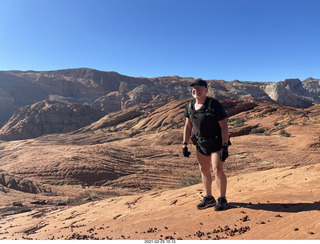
(128, 179)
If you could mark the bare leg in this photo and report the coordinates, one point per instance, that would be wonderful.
(221, 179)
(205, 166)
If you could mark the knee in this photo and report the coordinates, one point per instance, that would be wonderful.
(218, 172)
(204, 170)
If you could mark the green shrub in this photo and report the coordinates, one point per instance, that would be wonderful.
(284, 133)
(290, 122)
(262, 115)
(257, 130)
(239, 122)
(188, 180)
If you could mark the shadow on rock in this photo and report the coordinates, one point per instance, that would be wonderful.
(279, 207)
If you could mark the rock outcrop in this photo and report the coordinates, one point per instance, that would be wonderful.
(16, 92)
(47, 117)
(7, 104)
(312, 88)
(112, 119)
(109, 103)
(20, 184)
(289, 92)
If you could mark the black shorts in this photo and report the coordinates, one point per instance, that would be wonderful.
(208, 146)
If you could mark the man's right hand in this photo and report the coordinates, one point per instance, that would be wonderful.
(185, 152)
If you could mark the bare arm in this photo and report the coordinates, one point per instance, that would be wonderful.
(224, 130)
(187, 131)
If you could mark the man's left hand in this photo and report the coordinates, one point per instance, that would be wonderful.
(224, 153)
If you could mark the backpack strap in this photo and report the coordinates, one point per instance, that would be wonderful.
(210, 109)
(209, 105)
(189, 107)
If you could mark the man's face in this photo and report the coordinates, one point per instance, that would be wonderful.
(199, 91)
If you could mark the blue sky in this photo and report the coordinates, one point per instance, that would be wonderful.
(248, 40)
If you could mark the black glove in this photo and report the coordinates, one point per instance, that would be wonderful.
(185, 152)
(224, 153)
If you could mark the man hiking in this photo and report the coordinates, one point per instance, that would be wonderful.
(208, 120)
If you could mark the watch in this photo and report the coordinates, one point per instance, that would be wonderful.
(184, 143)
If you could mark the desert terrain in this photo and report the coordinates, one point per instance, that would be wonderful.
(124, 177)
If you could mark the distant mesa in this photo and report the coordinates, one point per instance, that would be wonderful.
(34, 103)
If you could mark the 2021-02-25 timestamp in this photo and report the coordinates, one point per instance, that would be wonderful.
(159, 241)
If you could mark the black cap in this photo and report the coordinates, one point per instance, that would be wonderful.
(199, 82)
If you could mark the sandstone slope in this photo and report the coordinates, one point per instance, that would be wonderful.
(281, 205)
(128, 150)
(130, 167)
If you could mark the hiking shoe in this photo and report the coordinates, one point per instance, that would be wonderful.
(207, 202)
(222, 204)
